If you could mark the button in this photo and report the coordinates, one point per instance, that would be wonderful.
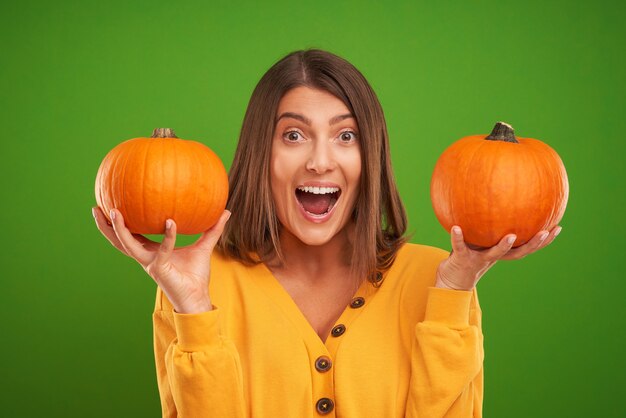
(357, 302)
(338, 330)
(325, 406)
(323, 364)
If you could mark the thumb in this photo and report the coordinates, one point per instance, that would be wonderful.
(209, 238)
(458, 243)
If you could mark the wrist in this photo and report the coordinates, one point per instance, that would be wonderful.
(195, 307)
(442, 283)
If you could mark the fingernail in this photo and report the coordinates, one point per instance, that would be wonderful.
(93, 212)
(112, 214)
(558, 231)
(543, 236)
(168, 224)
(456, 230)
(511, 240)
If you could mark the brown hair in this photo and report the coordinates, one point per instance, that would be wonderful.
(379, 216)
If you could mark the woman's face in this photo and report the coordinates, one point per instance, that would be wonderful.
(315, 165)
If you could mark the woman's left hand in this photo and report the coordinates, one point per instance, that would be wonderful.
(467, 263)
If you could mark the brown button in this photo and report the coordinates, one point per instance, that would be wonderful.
(323, 364)
(338, 330)
(357, 302)
(325, 406)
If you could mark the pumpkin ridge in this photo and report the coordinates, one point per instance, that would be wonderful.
(174, 202)
(490, 196)
(465, 188)
(117, 188)
(158, 168)
(118, 195)
(556, 185)
(110, 202)
(99, 187)
(198, 166)
(540, 165)
(124, 192)
(144, 167)
(563, 185)
(535, 194)
(553, 167)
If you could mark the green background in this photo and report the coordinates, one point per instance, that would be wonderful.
(78, 77)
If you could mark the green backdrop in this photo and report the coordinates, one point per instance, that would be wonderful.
(78, 77)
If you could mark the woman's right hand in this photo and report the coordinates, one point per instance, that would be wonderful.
(182, 273)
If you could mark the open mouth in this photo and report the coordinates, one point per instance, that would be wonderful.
(317, 201)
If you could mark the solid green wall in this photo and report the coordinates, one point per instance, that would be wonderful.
(79, 77)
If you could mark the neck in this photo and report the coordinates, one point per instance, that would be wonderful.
(315, 263)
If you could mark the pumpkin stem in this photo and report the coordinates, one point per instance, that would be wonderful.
(163, 133)
(502, 132)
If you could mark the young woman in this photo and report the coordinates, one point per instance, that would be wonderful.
(308, 302)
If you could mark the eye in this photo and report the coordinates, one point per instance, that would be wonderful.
(292, 136)
(347, 136)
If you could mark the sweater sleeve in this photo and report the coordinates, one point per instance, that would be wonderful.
(447, 358)
(198, 370)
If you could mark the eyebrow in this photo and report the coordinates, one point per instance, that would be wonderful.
(307, 121)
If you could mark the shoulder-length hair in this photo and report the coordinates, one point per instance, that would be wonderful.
(252, 233)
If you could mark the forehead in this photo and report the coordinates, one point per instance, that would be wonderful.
(313, 103)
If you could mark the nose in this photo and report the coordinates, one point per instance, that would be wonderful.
(321, 158)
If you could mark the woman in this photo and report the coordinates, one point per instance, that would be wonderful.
(316, 304)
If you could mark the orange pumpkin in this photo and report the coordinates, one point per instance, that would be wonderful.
(152, 179)
(499, 184)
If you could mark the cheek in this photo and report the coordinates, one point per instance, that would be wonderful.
(279, 172)
(276, 186)
(352, 172)
(282, 170)
(286, 162)
(357, 171)
(353, 169)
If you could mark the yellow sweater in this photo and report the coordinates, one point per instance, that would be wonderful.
(406, 349)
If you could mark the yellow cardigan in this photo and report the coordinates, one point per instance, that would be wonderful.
(405, 349)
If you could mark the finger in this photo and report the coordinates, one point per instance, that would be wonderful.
(167, 245)
(106, 229)
(538, 242)
(457, 241)
(210, 237)
(553, 234)
(525, 249)
(501, 248)
(131, 245)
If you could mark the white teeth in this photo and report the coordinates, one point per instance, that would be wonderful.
(319, 190)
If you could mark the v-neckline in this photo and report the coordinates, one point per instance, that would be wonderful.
(279, 295)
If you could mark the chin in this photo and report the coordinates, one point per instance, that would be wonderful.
(315, 238)
(313, 234)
